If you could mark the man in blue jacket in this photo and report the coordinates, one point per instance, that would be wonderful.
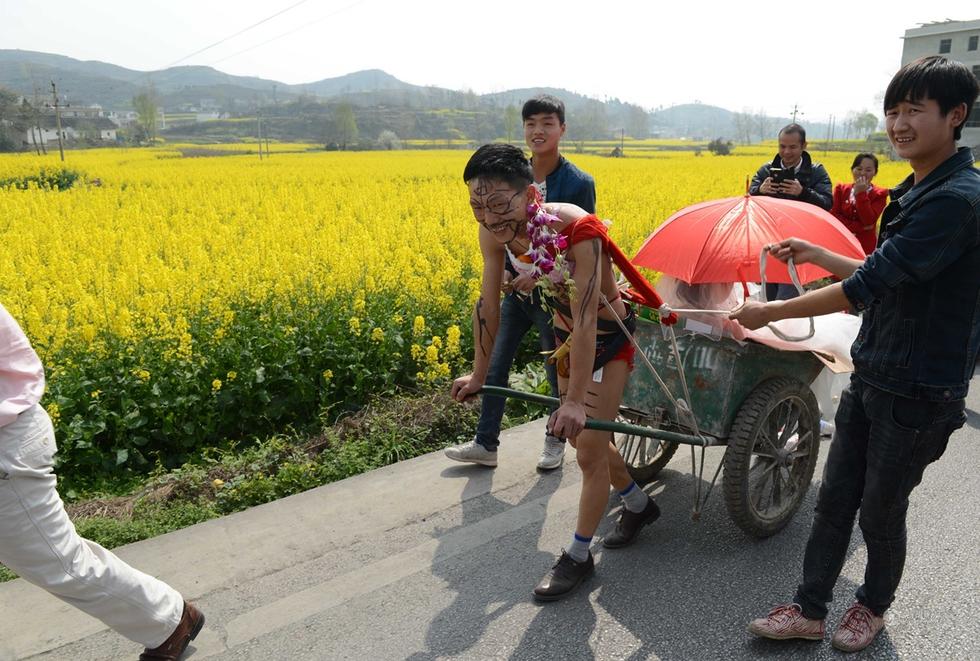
(558, 180)
(792, 175)
(919, 293)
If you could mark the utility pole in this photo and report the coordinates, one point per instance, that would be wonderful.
(37, 121)
(260, 134)
(32, 112)
(37, 149)
(796, 111)
(622, 142)
(829, 141)
(57, 116)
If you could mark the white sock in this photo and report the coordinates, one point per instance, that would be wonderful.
(578, 550)
(634, 498)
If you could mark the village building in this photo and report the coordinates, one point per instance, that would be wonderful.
(957, 40)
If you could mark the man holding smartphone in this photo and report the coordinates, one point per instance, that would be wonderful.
(792, 175)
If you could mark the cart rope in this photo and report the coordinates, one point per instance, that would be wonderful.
(684, 414)
(794, 276)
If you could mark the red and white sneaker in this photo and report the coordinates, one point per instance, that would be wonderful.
(857, 629)
(785, 622)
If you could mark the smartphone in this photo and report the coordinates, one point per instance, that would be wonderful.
(779, 175)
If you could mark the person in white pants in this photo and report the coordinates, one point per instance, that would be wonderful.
(39, 542)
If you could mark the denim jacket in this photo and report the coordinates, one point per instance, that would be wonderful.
(569, 184)
(920, 289)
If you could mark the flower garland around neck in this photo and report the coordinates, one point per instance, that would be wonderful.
(546, 245)
(547, 249)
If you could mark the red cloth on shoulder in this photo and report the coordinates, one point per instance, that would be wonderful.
(590, 227)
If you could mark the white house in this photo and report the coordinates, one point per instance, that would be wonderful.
(72, 129)
(957, 40)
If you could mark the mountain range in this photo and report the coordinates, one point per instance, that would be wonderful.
(196, 88)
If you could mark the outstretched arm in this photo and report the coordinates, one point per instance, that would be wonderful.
(754, 314)
(486, 318)
(803, 252)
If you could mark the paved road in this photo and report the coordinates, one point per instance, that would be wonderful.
(430, 560)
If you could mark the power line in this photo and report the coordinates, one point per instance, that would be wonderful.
(243, 30)
(286, 34)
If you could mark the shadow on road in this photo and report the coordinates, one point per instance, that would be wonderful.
(972, 418)
(483, 593)
(711, 580)
(687, 590)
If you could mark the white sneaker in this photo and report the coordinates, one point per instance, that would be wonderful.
(472, 453)
(551, 454)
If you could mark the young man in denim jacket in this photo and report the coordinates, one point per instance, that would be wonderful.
(919, 293)
(559, 181)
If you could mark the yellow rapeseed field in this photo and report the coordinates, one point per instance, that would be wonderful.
(219, 296)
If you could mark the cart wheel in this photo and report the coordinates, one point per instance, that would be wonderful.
(771, 456)
(644, 457)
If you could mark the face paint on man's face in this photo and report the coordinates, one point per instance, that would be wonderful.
(499, 208)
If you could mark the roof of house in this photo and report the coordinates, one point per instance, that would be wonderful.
(79, 123)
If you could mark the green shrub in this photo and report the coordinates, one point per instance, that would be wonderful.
(46, 178)
(123, 405)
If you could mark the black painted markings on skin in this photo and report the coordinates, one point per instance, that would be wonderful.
(502, 202)
(588, 296)
(483, 332)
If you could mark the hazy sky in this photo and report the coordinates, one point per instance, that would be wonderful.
(835, 57)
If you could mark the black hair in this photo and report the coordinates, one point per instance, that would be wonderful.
(500, 162)
(794, 128)
(544, 103)
(863, 155)
(948, 82)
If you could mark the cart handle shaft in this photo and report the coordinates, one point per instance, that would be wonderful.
(600, 425)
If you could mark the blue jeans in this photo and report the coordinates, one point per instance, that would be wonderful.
(881, 447)
(517, 314)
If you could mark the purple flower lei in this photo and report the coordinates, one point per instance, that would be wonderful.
(546, 245)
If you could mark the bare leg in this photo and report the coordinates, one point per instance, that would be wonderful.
(601, 464)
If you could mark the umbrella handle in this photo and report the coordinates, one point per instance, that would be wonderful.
(794, 276)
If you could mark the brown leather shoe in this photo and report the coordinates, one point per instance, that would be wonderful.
(187, 629)
(563, 578)
(629, 524)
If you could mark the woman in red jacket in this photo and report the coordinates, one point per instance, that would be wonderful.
(858, 205)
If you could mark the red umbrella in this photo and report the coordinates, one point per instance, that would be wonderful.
(720, 240)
